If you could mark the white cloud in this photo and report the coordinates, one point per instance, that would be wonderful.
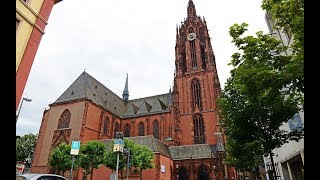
(112, 38)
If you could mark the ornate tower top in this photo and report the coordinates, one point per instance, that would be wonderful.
(125, 94)
(191, 10)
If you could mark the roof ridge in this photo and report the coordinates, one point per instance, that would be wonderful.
(148, 97)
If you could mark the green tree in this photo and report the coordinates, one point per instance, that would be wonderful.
(140, 157)
(91, 156)
(25, 146)
(60, 158)
(256, 99)
(288, 15)
(111, 157)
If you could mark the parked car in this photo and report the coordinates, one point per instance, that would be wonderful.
(34, 176)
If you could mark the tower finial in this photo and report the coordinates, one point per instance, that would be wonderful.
(191, 9)
(125, 94)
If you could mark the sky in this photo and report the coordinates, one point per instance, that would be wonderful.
(109, 39)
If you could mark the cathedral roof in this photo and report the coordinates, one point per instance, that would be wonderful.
(85, 86)
(196, 151)
(148, 105)
(150, 142)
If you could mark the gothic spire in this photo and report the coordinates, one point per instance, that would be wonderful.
(191, 9)
(125, 94)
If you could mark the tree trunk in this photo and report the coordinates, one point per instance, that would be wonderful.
(140, 174)
(91, 173)
(121, 171)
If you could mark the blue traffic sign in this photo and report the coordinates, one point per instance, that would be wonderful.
(119, 141)
(75, 145)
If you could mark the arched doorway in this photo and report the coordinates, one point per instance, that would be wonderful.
(203, 173)
(183, 174)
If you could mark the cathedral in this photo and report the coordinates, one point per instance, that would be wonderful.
(181, 127)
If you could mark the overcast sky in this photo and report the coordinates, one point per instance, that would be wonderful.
(110, 38)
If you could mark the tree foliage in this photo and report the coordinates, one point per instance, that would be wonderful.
(92, 155)
(256, 99)
(289, 16)
(140, 157)
(60, 158)
(25, 146)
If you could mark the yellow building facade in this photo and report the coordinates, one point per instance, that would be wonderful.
(31, 19)
(27, 12)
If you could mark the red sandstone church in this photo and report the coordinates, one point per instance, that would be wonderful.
(180, 127)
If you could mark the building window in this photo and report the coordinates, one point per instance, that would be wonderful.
(193, 54)
(156, 129)
(199, 136)
(196, 94)
(17, 23)
(295, 124)
(141, 129)
(64, 120)
(116, 129)
(127, 130)
(106, 125)
(203, 172)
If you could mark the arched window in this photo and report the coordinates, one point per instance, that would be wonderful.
(183, 174)
(156, 129)
(141, 129)
(203, 173)
(127, 130)
(199, 135)
(106, 125)
(116, 129)
(196, 94)
(64, 119)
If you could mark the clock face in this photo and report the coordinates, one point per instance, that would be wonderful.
(191, 36)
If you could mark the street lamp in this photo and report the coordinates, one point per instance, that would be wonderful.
(23, 99)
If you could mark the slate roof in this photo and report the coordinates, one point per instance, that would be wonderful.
(148, 105)
(196, 151)
(85, 86)
(149, 141)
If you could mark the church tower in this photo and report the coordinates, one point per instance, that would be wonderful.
(196, 82)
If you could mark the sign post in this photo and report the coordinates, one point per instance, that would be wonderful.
(118, 147)
(75, 147)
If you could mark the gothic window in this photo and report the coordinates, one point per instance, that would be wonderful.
(196, 94)
(64, 120)
(193, 54)
(203, 56)
(201, 34)
(183, 173)
(203, 173)
(199, 136)
(141, 129)
(127, 130)
(156, 129)
(106, 125)
(116, 129)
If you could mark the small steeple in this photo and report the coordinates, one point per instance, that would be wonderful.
(125, 94)
(170, 97)
(191, 10)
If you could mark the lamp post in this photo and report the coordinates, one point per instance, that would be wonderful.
(23, 99)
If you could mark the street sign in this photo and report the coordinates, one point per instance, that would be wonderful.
(119, 141)
(118, 145)
(75, 146)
